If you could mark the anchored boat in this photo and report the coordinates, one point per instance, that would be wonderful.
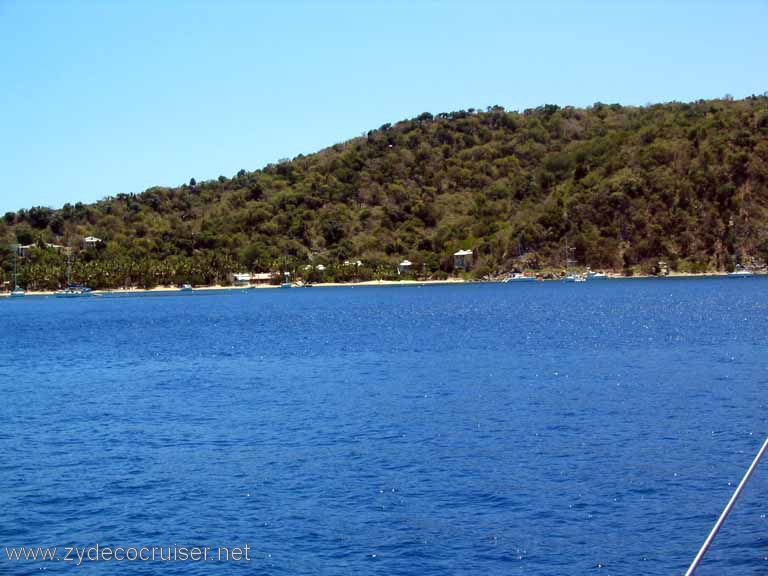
(16, 292)
(741, 272)
(72, 290)
(518, 277)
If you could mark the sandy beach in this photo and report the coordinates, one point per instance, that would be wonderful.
(169, 289)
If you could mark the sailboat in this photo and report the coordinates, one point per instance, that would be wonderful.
(518, 277)
(16, 292)
(592, 275)
(571, 276)
(741, 272)
(286, 276)
(72, 290)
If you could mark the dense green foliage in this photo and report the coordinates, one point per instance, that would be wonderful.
(626, 186)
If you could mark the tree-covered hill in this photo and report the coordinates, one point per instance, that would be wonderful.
(625, 187)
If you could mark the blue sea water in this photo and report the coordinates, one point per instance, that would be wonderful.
(535, 429)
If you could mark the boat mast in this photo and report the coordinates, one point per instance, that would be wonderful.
(726, 510)
(566, 255)
(568, 259)
(15, 254)
(69, 268)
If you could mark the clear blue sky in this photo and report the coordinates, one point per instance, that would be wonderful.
(98, 98)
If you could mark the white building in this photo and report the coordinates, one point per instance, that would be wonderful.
(23, 249)
(462, 260)
(404, 267)
(91, 241)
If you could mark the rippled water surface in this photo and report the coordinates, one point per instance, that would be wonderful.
(536, 429)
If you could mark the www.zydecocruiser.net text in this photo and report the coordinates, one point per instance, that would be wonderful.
(78, 555)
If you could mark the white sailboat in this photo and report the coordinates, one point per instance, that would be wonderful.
(286, 276)
(518, 277)
(591, 275)
(571, 276)
(16, 292)
(72, 290)
(741, 272)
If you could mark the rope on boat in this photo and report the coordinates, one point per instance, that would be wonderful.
(726, 511)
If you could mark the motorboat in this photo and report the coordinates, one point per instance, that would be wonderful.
(741, 272)
(518, 277)
(74, 291)
(575, 278)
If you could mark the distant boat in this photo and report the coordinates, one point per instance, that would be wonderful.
(286, 275)
(596, 275)
(16, 292)
(741, 272)
(571, 276)
(186, 288)
(517, 277)
(575, 278)
(72, 290)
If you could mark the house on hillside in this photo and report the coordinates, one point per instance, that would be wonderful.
(23, 249)
(405, 267)
(462, 260)
(91, 241)
(262, 278)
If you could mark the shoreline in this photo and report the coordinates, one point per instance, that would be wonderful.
(218, 287)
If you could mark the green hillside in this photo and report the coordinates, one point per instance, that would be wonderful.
(626, 186)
